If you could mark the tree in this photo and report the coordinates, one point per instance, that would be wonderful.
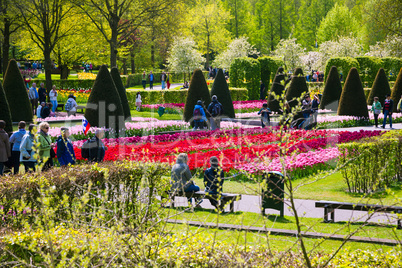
(332, 90)
(380, 88)
(43, 19)
(221, 90)
(390, 47)
(289, 51)
(397, 90)
(238, 48)
(337, 23)
(297, 88)
(198, 91)
(183, 57)
(5, 113)
(208, 26)
(17, 95)
(387, 15)
(122, 92)
(353, 101)
(239, 16)
(104, 108)
(278, 86)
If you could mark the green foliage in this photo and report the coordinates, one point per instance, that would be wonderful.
(221, 90)
(296, 89)
(353, 101)
(104, 108)
(380, 88)
(16, 92)
(343, 64)
(332, 90)
(136, 79)
(268, 67)
(246, 72)
(122, 92)
(5, 113)
(397, 90)
(278, 86)
(298, 72)
(392, 67)
(198, 91)
(368, 67)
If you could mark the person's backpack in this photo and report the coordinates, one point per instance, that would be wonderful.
(67, 106)
(216, 109)
(85, 149)
(197, 114)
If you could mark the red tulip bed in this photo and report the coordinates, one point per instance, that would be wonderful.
(245, 149)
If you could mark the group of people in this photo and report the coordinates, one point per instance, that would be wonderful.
(31, 148)
(87, 67)
(315, 76)
(214, 110)
(165, 80)
(36, 65)
(39, 96)
(387, 110)
(181, 179)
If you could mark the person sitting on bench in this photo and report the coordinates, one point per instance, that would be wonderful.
(213, 181)
(181, 177)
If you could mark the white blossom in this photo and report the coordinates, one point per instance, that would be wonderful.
(183, 56)
(238, 48)
(289, 51)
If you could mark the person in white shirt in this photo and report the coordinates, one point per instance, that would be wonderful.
(138, 101)
(71, 105)
(53, 98)
(39, 109)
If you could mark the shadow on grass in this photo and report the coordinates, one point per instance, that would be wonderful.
(277, 218)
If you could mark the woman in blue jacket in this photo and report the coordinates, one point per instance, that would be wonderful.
(65, 150)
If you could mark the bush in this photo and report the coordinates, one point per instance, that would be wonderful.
(221, 90)
(122, 92)
(380, 88)
(353, 101)
(246, 72)
(5, 113)
(17, 95)
(343, 64)
(136, 79)
(104, 107)
(297, 88)
(392, 67)
(278, 86)
(198, 91)
(368, 67)
(332, 90)
(268, 66)
(397, 90)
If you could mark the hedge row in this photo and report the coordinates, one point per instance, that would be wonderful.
(136, 79)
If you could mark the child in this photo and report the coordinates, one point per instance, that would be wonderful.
(138, 101)
(264, 112)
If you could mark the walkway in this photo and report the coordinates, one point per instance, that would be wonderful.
(157, 87)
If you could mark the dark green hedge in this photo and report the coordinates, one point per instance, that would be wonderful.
(397, 90)
(122, 92)
(198, 90)
(246, 72)
(380, 88)
(332, 90)
(5, 113)
(136, 79)
(221, 90)
(343, 64)
(368, 69)
(269, 65)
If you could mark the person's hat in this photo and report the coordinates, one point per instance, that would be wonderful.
(214, 97)
(199, 102)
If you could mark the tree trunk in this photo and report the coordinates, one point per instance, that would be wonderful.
(64, 71)
(6, 44)
(132, 61)
(153, 48)
(48, 68)
(272, 37)
(207, 61)
(236, 20)
(280, 19)
(125, 66)
(113, 47)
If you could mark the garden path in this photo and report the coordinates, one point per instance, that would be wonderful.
(394, 126)
(158, 87)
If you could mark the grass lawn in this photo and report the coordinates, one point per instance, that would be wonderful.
(135, 113)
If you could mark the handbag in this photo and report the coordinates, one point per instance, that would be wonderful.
(377, 111)
(52, 153)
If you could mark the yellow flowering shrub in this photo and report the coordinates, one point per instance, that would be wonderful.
(82, 76)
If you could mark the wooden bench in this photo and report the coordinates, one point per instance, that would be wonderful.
(60, 105)
(330, 206)
(226, 198)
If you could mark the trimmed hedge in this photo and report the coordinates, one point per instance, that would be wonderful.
(353, 101)
(122, 92)
(332, 90)
(297, 88)
(397, 90)
(278, 86)
(221, 90)
(380, 88)
(246, 72)
(198, 90)
(392, 65)
(5, 113)
(17, 95)
(368, 67)
(343, 64)
(269, 65)
(136, 79)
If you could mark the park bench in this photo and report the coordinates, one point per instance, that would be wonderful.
(330, 206)
(79, 108)
(224, 197)
(60, 105)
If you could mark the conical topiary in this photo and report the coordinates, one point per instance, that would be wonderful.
(198, 90)
(332, 90)
(278, 86)
(221, 90)
(380, 88)
(16, 93)
(353, 101)
(122, 92)
(5, 113)
(298, 71)
(397, 90)
(104, 107)
(297, 88)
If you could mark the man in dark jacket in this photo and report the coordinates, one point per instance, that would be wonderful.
(215, 110)
(96, 147)
(387, 110)
(213, 181)
(65, 150)
(262, 91)
(42, 93)
(45, 112)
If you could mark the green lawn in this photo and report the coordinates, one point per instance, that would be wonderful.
(135, 113)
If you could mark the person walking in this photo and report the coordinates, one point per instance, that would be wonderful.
(151, 80)
(199, 116)
(138, 101)
(265, 112)
(65, 149)
(42, 93)
(53, 98)
(27, 156)
(376, 109)
(97, 149)
(46, 152)
(15, 141)
(5, 150)
(262, 91)
(314, 108)
(144, 80)
(33, 97)
(168, 80)
(387, 110)
(163, 80)
(215, 109)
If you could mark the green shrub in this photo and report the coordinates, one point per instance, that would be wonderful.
(5, 113)
(353, 101)
(343, 64)
(278, 86)
(392, 67)
(332, 90)
(122, 92)
(397, 90)
(368, 67)
(380, 88)
(298, 72)
(221, 90)
(268, 67)
(136, 79)
(16, 93)
(104, 108)
(297, 88)
(198, 91)
(246, 72)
